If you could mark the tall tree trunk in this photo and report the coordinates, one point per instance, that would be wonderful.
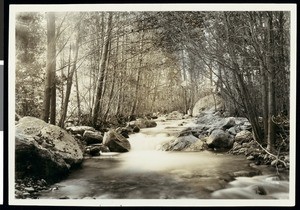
(138, 78)
(265, 100)
(115, 72)
(102, 70)
(271, 81)
(78, 98)
(50, 66)
(184, 88)
(62, 66)
(211, 85)
(53, 99)
(133, 109)
(123, 70)
(70, 78)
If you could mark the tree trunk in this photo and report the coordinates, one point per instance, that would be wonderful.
(102, 70)
(115, 71)
(70, 79)
(138, 78)
(265, 100)
(271, 80)
(243, 91)
(50, 66)
(78, 98)
(123, 70)
(53, 99)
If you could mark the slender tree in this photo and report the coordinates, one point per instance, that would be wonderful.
(73, 68)
(49, 92)
(102, 71)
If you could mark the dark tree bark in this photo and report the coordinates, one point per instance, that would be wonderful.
(271, 81)
(78, 97)
(49, 93)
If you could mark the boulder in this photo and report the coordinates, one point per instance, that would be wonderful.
(243, 136)
(219, 139)
(95, 151)
(246, 126)
(44, 151)
(228, 122)
(232, 130)
(103, 148)
(175, 116)
(92, 137)
(240, 120)
(197, 146)
(116, 142)
(144, 123)
(179, 144)
(185, 132)
(79, 129)
(136, 129)
(125, 131)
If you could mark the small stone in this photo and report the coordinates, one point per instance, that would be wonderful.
(29, 189)
(250, 157)
(136, 129)
(260, 190)
(64, 197)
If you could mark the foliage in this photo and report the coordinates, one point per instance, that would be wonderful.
(159, 62)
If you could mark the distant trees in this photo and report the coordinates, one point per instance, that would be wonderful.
(246, 57)
(29, 63)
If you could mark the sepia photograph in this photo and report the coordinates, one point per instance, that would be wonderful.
(152, 105)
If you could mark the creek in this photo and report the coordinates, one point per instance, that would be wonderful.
(147, 173)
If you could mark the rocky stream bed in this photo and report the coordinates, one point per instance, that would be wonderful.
(174, 156)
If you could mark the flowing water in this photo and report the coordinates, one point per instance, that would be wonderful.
(146, 173)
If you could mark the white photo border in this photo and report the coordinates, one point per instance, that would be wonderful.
(14, 9)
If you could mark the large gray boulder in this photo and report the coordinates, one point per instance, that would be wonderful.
(79, 129)
(228, 122)
(144, 123)
(243, 136)
(43, 150)
(219, 139)
(92, 137)
(116, 142)
(179, 144)
(197, 146)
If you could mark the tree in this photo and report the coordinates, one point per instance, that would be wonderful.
(70, 74)
(102, 71)
(30, 48)
(50, 92)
